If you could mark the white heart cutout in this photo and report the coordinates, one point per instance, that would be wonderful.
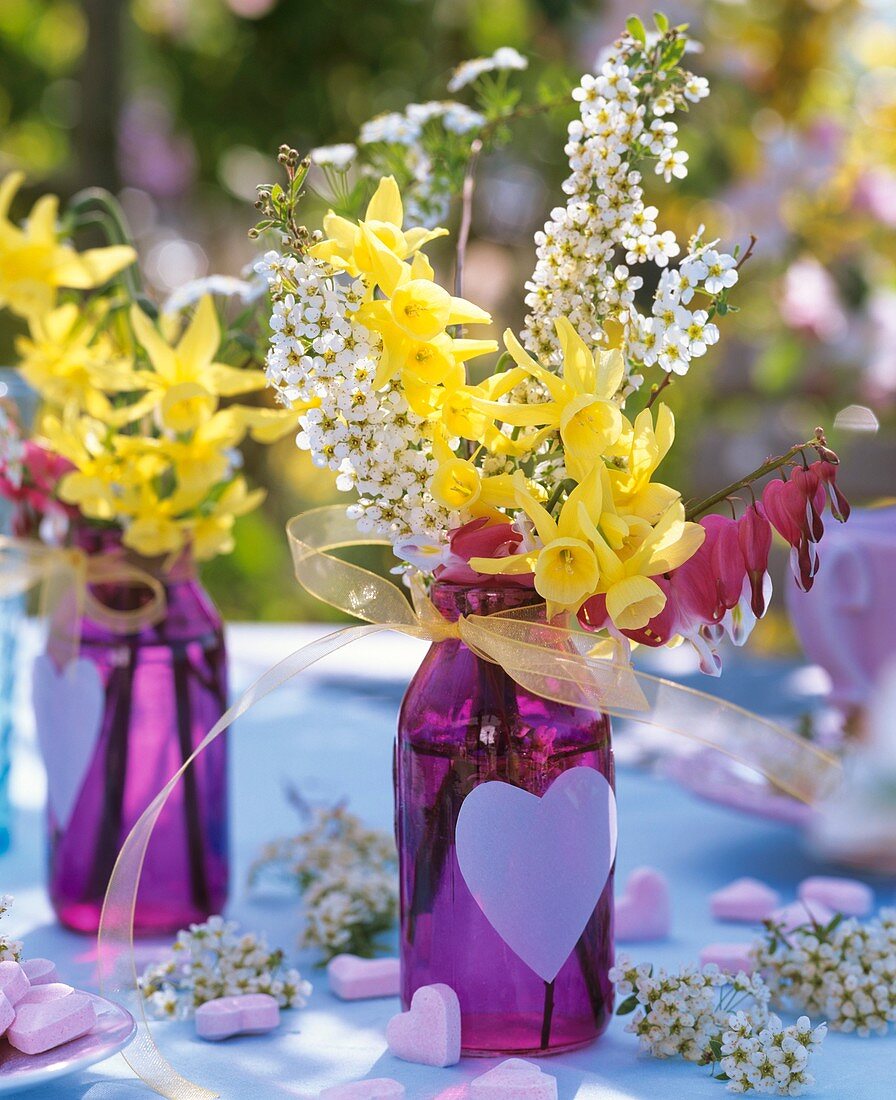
(68, 714)
(538, 866)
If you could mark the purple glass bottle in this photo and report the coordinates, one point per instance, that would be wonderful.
(463, 722)
(165, 687)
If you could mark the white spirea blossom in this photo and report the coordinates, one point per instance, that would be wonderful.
(321, 357)
(580, 273)
(503, 59)
(427, 195)
(772, 1059)
(334, 156)
(846, 973)
(712, 1018)
(348, 877)
(9, 949)
(12, 452)
(214, 960)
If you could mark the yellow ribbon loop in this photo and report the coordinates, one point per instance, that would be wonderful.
(548, 659)
(66, 579)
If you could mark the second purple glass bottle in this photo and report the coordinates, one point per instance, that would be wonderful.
(463, 722)
(165, 686)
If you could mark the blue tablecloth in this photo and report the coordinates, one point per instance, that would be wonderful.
(330, 735)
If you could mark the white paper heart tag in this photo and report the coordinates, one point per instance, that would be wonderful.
(538, 866)
(68, 713)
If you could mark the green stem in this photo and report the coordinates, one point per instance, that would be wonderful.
(694, 511)
(96, 206)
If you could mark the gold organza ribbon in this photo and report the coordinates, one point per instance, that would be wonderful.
(65, 578)
(549, 660)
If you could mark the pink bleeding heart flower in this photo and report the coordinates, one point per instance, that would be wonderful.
(754, 533)
(481, 539)
(726, 557)
(837, 502)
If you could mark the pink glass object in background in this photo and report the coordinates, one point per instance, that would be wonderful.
(165, 686)
(847, 621)
(465, 722)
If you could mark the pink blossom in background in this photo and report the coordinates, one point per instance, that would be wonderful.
(151, 155)
(875, 193)
(809, 301)
(880, 373)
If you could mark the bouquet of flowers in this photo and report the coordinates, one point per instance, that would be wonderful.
(134, 434)
(544, 473)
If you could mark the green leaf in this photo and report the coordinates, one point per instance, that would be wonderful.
(721, 1077)
(636, 29)
(674, 53)
(662, 22)
(628, 1005)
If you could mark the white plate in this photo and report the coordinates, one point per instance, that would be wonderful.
(112, 1032)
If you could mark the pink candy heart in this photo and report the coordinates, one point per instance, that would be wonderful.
(799, 913)
(745, 899)
(40, 971)
(7, 1013)
(429, 1033)
(843, 895)
(515, 1079)
(42, 1026)
(352, 978)
(52, 991)
(379, 1088)
(644, 910)
(247, 1014)
(14, 983)
(730, 958)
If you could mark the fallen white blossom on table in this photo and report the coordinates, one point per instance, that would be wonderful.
(717, 1019)
(845, 970)
(216, 959)
(347, 874)
(9, 949)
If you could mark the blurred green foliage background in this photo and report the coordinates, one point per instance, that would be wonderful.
(179, 106)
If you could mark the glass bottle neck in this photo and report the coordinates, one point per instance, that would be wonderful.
(455, 601)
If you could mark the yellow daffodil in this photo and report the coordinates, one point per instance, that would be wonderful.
(565, 565)
(630, 551)
(633, 460)
(411, 323)
(590, 549)
(153, 532)
(212, 532)
(191, 359)
(581, 405)
(68, 359)
(460, 486)
(34, 263)
(348, 246)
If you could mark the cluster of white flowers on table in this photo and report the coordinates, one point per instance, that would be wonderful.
(591, 249)
(712, 1018)
(9, 949)
(322, 357)
(216, 959)
(845, 970)
(348, 879)
(773, 1059)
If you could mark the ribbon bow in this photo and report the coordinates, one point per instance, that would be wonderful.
(542, 657)
(67, 578)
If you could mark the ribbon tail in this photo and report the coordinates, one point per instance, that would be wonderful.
(117, 965)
